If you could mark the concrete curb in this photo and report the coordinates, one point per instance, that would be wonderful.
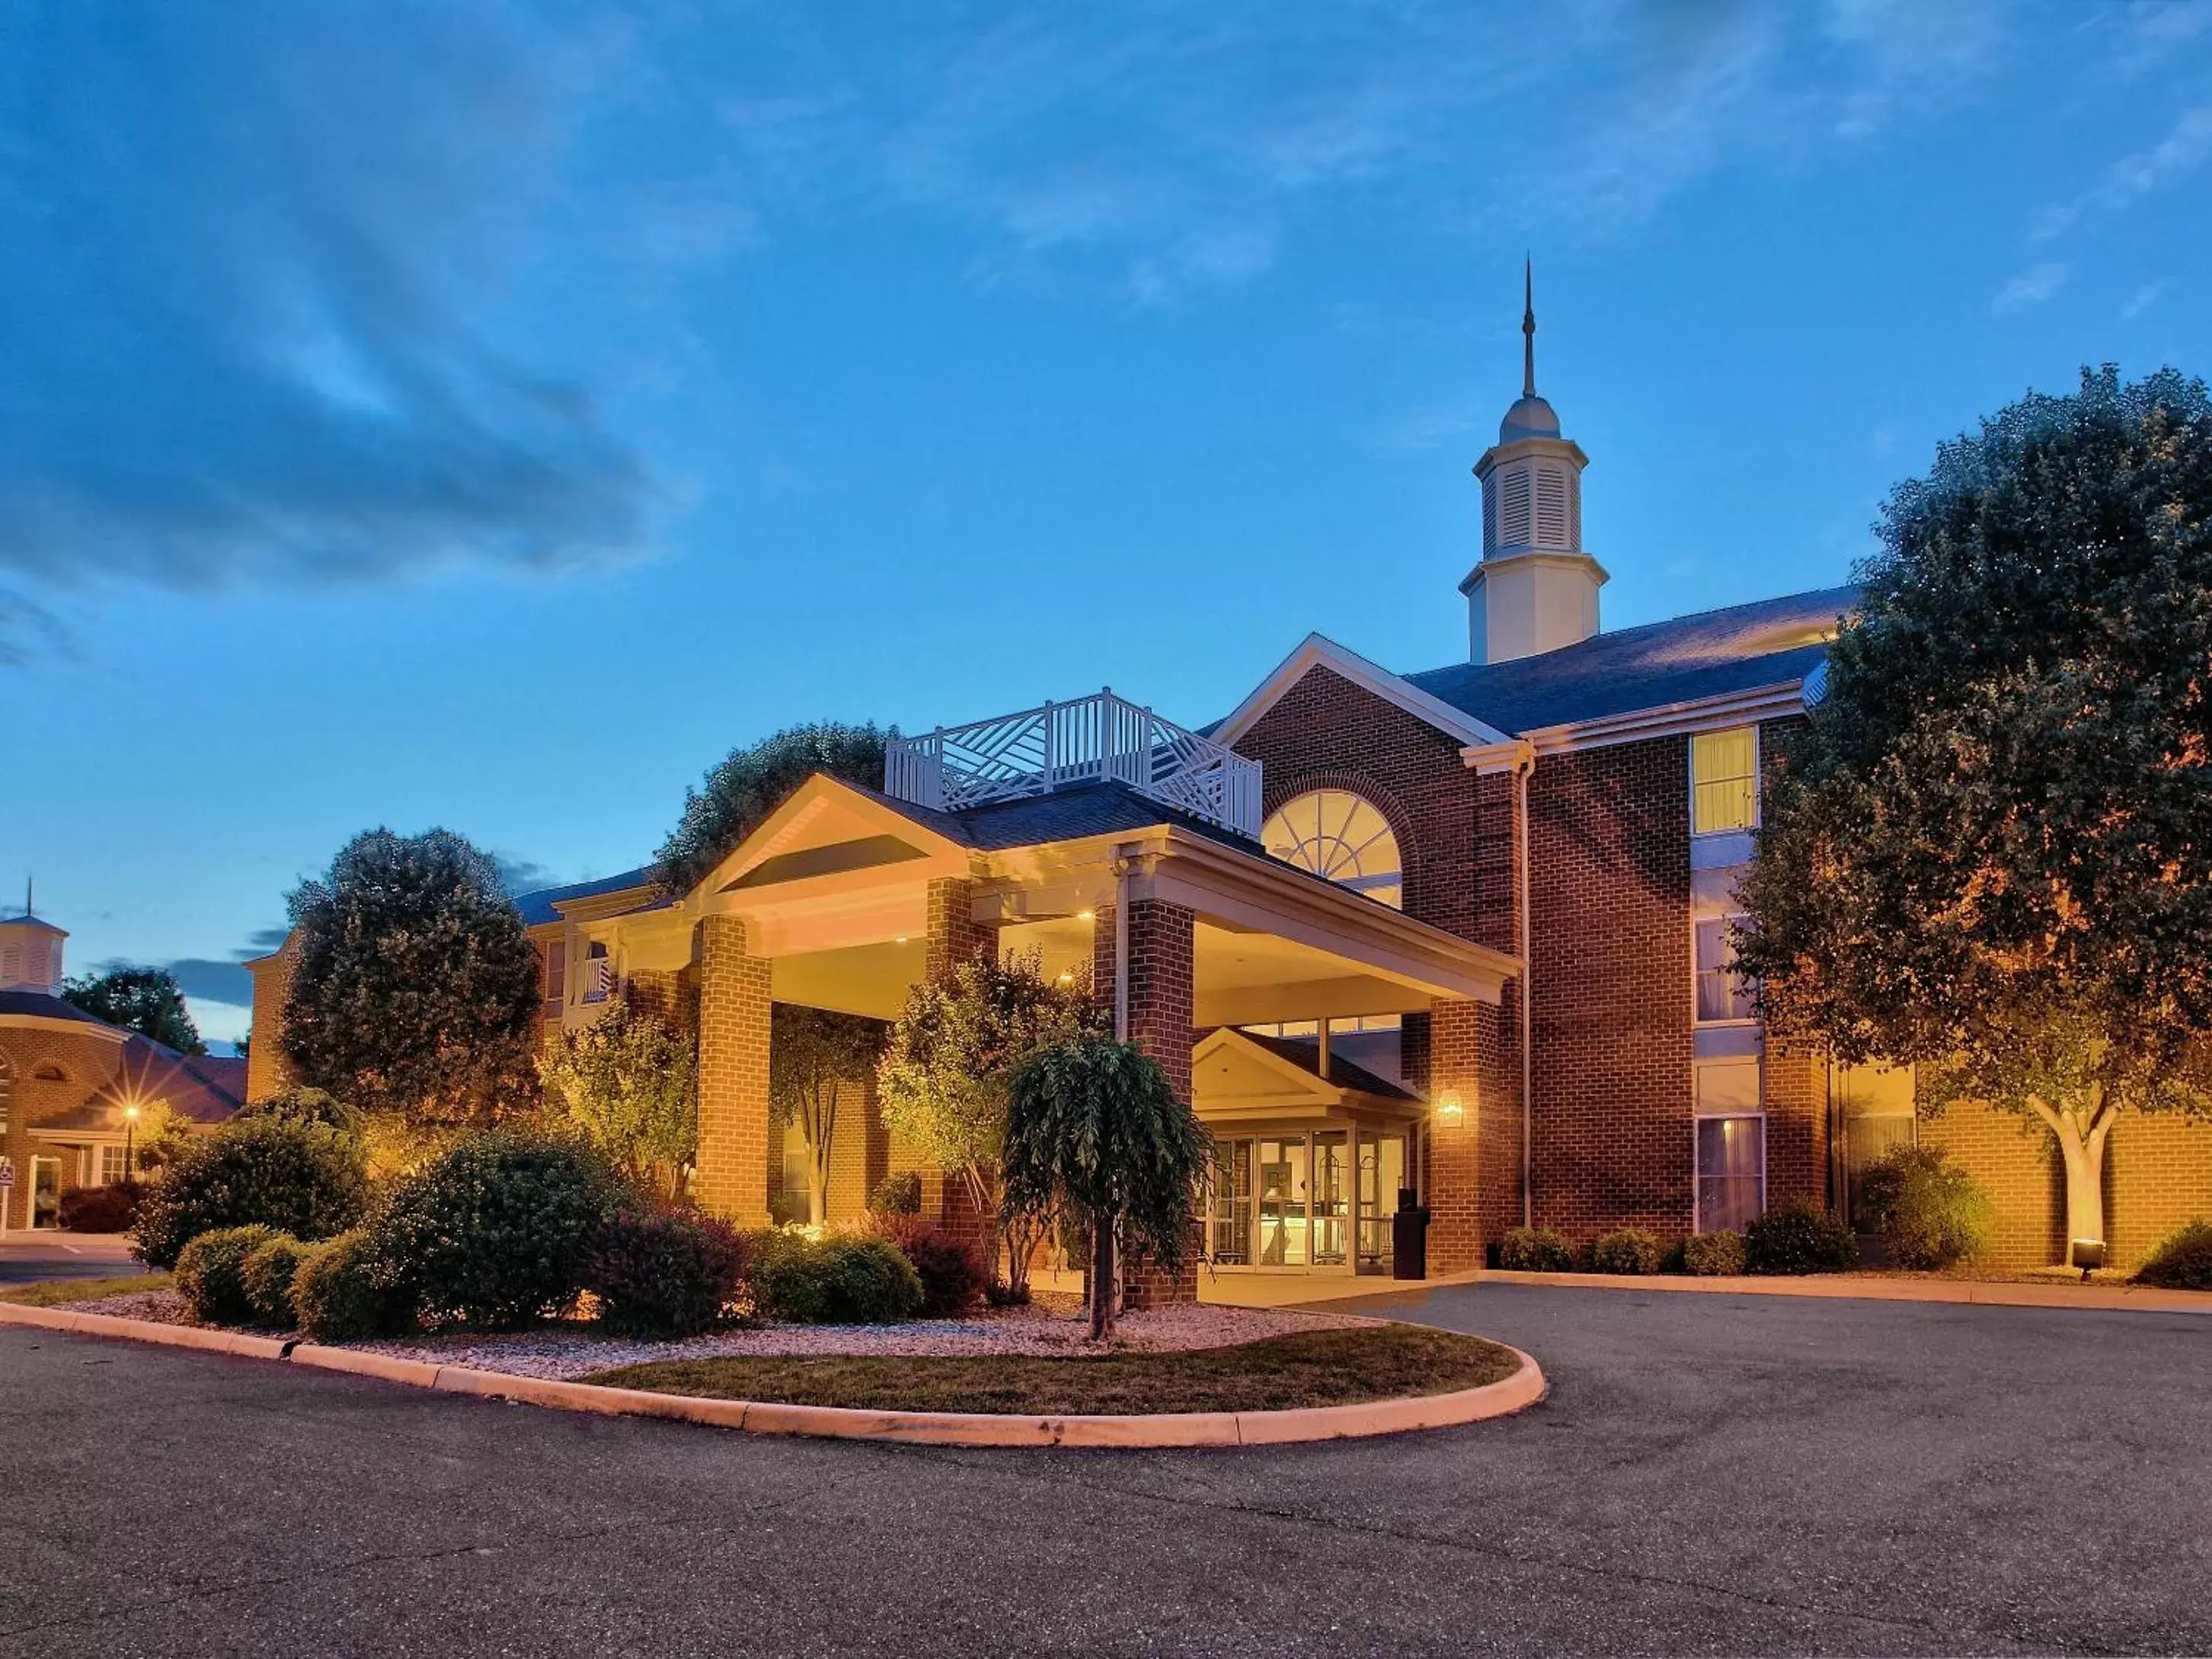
(1523, 1389)
(1850, 1287)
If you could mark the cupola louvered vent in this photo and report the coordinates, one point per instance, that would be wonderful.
(1489, 515)
(1513, 509)
(1551, 507)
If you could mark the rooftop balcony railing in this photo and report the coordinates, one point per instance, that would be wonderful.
(1060, 745)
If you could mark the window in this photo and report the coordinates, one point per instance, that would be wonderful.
(1731, 1172)
(50, 1072)
(1724, 781)
(1333, 833)
(556, 977)
(1722, 994)
(111, 1168)
(599, 974)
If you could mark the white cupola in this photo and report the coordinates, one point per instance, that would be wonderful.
(30, 952)
(1535, 589)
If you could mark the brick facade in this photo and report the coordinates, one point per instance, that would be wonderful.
(734, 999)
(1163, 955)
(267, 1070)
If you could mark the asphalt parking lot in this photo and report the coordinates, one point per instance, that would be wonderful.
(1710, 1474)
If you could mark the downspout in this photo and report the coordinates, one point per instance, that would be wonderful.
(1523, 767)
(1122, 864)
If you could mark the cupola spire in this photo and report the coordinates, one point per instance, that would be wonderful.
(1529, 327)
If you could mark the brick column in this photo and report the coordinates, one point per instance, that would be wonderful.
(954, 934)
(1456, 1040)
(268, 1072)
(1162, 950)
(735, 999)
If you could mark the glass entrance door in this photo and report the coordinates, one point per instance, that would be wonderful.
(46, 1192)
(1382, 1173)
(1332, 1197)
(1281, 1175)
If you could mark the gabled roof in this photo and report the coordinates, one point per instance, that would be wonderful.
(1682, 659)
(541, 906)
(44, 1005)
(1316, 651)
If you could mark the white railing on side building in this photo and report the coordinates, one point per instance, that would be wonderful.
(1096, 740)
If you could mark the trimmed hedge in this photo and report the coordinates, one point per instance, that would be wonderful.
(254, 1171)
(951, 1273)
(838, 1279)
(347, 1290)
(1536, 1250)
(1626, 1251)
(1929, 1210)
(211, 1274)
(267, 1274)
(1799, 1237)
(667, 1273)
(498, 1230)
(1713, 1255)
(110, 1209)
(2183, 1261)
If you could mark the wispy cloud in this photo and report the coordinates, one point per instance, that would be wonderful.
(2030, 288)
(2180, 153)
(2143, 300)
(1423, 429)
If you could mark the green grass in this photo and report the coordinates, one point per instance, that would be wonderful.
(1312, 1367)
(49, 1292)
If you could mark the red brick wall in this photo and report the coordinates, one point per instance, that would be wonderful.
(1794, 1084)
(1609, 886)
(1163, 942)
(86, 1063)
(734, 999)
(267, 1071)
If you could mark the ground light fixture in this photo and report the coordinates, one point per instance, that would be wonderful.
(2088, 1254)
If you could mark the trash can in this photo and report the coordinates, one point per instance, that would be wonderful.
(1409, 1238)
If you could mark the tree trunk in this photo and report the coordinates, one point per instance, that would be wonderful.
(982, 1193)
(818, 1123)
(1103, 1273)
(2081, 1135)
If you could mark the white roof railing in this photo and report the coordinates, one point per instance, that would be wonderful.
(1096, 740)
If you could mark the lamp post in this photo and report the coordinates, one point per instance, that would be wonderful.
(129, 1139)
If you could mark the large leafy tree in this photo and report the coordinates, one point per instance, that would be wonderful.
(628, 1085)
(1989, 852)
(147, 1000)
(815, 1058)
(949, 1069)
(752, 782)
(1095, 1127)
(415, 990)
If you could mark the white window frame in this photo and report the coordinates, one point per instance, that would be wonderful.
(1697, 1016)
(1757, 794)
(1697, 1173)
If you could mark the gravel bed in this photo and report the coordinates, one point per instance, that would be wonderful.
(161, 1307)
(564, 1352)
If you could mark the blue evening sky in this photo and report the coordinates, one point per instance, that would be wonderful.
(487, 415)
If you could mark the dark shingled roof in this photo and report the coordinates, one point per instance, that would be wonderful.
(1305, 1054)
(537, 907)
(44, 1007)
(1094, 809)
(204, 1088)
(1680, 660)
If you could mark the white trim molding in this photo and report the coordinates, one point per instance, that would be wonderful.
(1761, 702)
(1317, 652)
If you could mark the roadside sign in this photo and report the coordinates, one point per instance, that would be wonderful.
(6, 1171)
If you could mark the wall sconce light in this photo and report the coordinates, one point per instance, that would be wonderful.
(1086, 915)
(1450, 1108)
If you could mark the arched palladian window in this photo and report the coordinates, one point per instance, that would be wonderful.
(1333, 833)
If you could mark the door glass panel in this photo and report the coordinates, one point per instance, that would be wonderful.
(1232, 1202)
(1381, 1172)
(1331, 1196)
(1281, 1179)
(46, 1192)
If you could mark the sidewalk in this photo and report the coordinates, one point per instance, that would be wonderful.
(1862, 1287)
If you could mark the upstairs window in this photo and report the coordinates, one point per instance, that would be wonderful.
(1722, 994)
(1336, 834)
(1724, 781)
(598, 973)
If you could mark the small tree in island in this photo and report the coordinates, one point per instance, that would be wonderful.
(414, 992)
(949, 1069)
(1094, 1128)
(629, 1085)
(1988, 854)
(814, 1056)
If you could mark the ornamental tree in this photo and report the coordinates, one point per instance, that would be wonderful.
(1095, 1127)
(629, 1086)
(147, 1000)
(752, 783)
(814, 1056)
(415, 991)
(949, 1069)
(1989, 854)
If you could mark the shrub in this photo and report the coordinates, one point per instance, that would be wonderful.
(268, 1273)
(2182, 1262)
(898, 1195)
(348, 1289)
(667, 1274)
(291, 1177)
(951, 1273)
(1626, 1251)
(1713, 1255)
(498, 1230)
(211, 1274)
(1536, 1250)
(1929, 1210)
(109, 1209)
(837, 1280)
(1799, 1237)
